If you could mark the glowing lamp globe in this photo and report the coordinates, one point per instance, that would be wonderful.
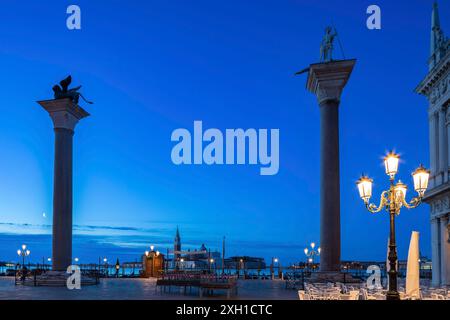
(391, 164)
(400, 189)
(365, 188)
(420, 177)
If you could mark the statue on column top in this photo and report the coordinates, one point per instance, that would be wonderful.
(63, 91)
(326, 48)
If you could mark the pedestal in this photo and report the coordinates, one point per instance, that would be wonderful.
(65, 115)
(326, 81)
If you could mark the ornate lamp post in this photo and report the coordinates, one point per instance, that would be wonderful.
(272, 267)
(311, 253)
(182, 264)
(117, 266)
(393, 200)
(211, 261)
(105, 262)
(23, 253)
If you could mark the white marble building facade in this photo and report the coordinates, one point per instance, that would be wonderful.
(436, 87)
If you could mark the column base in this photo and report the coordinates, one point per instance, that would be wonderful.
(333, 276)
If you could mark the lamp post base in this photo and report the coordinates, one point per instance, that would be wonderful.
(392, 295)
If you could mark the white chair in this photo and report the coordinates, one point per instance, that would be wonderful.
(354, 295)
(378, 296)
(437, 296)
(302, 295)
(315, 294)
(365, 295)
(404, 296)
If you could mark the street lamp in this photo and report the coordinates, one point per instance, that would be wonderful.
(117, 266)
(23, 253)
(272, 267)
(311, 253)
(105, 261)
(393, 200)
(182, 263)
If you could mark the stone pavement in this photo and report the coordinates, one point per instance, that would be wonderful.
(139, 289)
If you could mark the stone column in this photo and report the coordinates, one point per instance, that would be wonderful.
(326, 81)
(447, 126)
(433, 150)
(436, 280)
(443, 149)
(65, 115)
(445, 252)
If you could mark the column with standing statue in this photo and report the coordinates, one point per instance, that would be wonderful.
(326, 80)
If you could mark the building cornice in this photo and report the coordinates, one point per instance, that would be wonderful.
(434, 75)
(436, 192)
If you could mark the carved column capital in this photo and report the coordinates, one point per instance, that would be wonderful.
(64, 113)
(327, 80)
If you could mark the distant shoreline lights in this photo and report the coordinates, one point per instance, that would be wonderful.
(231, 151)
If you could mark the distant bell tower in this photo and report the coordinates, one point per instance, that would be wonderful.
(436, 88)
(177, 244)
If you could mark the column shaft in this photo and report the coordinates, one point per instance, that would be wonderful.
(442, 146)
(447, 124)
(327, 81)
(330, 239)
(435, 254)
(445, 252)
(433, 149)
(62, 199)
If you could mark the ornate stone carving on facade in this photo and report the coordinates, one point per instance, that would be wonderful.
(445, 202)
(447, 115)
(444, 85)
(440, 206)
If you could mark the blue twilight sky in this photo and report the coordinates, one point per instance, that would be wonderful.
(154, 66)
